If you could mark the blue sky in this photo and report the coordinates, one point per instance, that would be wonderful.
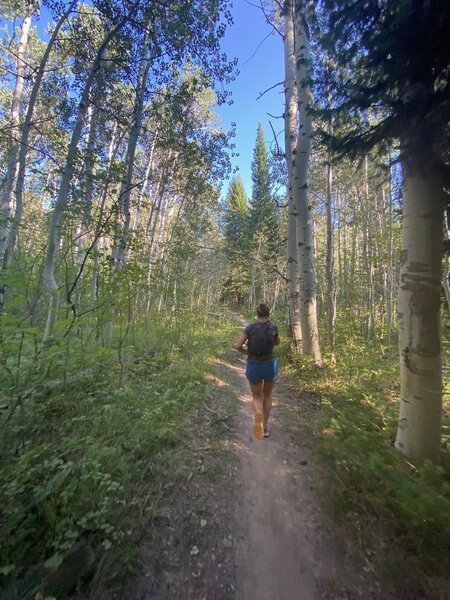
(257, 74)
(259, 69)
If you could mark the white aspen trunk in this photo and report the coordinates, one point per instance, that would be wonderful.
(24, 140)
(118, 253)
(290, 143)
(89, 175)
(419, 425)
(143, 191)
(86, 194)
(446, 282)
(276, 293)
(390, 271)
(63, 194)
(6, 201)
(341, 245)
(446, 265)
(344, 256)
(113, 147)
(331, 288)
(367, 253)
(158, 212)
(351, 291)
(159, 193)
(306, 258)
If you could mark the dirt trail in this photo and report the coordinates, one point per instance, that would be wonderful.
(248, 525)
(286, 549)
(277, 550)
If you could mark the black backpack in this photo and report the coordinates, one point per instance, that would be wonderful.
(261, 339)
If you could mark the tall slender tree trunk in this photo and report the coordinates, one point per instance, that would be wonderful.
(63, 193)
(331, 287)
(419, 425)
(147, 177)
(390, 269)
(367, 253)
(25, 135)
(88, 184)
(290, 141)
(6, 200)
(120, 244)
(306, 258)
(446, 265)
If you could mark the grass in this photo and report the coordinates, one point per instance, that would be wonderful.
(90, 460)
(399, 508)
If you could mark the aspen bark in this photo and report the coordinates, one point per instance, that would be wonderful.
(24, 139)
(290, 140)
(306, 258)
(147, 177)
(63, 193)
(120, 244)
(331, 287)
(367, 254)
(390, 270)
(6, 200)
(419, 425)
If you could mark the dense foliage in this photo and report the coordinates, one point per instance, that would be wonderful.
(112, 154)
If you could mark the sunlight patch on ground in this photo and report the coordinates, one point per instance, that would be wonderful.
(234, 368)
(245, 398)
(216, 381)
(238, 445)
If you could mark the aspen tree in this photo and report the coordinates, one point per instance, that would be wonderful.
(6, 199)
(411, 99)
(419, 425)
(290, 142)
(25, 135)
(63, 193)
(124, 220)
(331, 287)
(306, 257)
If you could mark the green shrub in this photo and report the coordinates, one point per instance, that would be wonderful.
(365, 478)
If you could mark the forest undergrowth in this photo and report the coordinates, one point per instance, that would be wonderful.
(89, 451)
(85, 460)
(396, 510)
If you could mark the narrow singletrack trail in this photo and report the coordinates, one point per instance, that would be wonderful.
(265, 532)
(276, 553)
(286, 548)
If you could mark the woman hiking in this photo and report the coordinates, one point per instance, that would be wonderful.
(262, 368)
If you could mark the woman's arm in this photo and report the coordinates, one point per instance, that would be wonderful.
(240, 342)
(276, 339)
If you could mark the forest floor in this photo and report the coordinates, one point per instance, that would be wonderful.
(249, 522)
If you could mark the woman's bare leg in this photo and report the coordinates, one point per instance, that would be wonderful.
(257, 394)
(267, 400)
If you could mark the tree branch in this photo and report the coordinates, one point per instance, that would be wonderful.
(279, 151)
(261, 94)
(261, 262)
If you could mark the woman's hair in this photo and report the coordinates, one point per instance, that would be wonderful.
(263, 311)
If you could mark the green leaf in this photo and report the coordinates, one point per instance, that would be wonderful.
(54, 562)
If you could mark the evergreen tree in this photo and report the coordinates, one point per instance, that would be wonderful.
(263, 218)
(237, 240)
(236, 215)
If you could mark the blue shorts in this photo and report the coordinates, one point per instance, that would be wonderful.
(256, 372)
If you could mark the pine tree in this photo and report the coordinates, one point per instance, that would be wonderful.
(236, 215)
(237, 240)
(263, 217)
